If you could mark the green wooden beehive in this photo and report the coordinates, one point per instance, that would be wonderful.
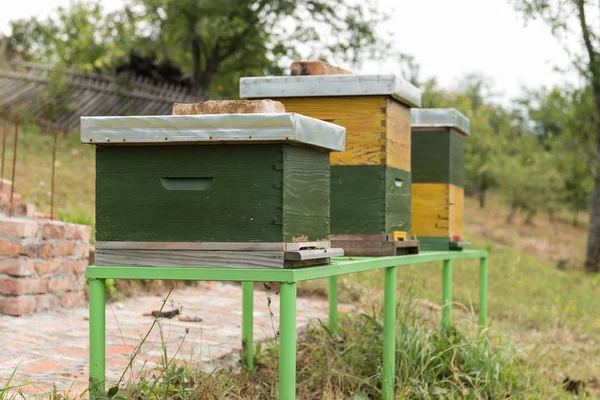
(438, 177)
(233, 190)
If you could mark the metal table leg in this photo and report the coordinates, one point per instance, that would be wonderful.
(97, 338)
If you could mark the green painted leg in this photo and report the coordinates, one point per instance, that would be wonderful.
(483, 292)
(389, 333)
(332, 294)
(447, 293)
(97, 338)
(287, 342)
(248, 325)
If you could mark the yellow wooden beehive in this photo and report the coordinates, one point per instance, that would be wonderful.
(371, 179)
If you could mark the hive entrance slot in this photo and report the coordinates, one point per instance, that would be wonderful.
(398, 182)
(186, 183)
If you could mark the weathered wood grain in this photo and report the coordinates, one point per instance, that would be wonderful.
(373, 238)
(214, 259)
(313, 254)
(377, 247)
(364, 118)
(191, 259)
(306, 190)
(398, 139)
(233, 246)
(306, 245)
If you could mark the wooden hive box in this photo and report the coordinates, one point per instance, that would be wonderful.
(438, 177)
(232, 190)
(371, 179)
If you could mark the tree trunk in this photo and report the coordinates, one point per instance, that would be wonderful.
(592, 261)
(575, 217)
(514, 206)
(482, 190)
(197, 62)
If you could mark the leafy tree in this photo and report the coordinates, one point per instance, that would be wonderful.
(570, 18)
(560, 119)
(82, 35)
(214, 41)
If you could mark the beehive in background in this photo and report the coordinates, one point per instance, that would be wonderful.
(438, 177)
(232, 190)
(371, 179)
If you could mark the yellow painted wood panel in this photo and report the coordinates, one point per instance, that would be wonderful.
(457, 210)
(429, 209)
(364, 118)
(398, 135)
(437, 210)
(342, 108)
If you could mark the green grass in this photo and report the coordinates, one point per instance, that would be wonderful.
(74, 180)
(453, 363)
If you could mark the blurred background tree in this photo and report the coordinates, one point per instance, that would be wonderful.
(206, 44)
(577, 19)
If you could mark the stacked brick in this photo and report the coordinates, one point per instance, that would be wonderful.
(18, 208)
(42, 264)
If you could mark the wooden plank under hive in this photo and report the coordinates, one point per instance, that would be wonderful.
(371, 179)
(231, 190)
(438, 177)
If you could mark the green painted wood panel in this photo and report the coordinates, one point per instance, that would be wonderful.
(457, 160)
(244, 203)
(437, 156)
(438, 244)
(357, 199)
(430, 156)
(398, 200)
(366, 200)
(306, 180)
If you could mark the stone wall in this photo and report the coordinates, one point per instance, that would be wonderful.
(42, 264)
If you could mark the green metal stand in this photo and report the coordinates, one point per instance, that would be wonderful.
(447, 293)
(97, 337)
(288, 278)
(332, 294)
(389, 333)
(287, 341)
(248, 325)
(483, 292)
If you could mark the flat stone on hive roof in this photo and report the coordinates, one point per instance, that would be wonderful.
(229, 107)
(316, 68)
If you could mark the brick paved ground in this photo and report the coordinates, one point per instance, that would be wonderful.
(52, 347)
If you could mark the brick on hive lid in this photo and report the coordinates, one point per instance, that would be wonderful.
(229, 107)
(316, 68)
